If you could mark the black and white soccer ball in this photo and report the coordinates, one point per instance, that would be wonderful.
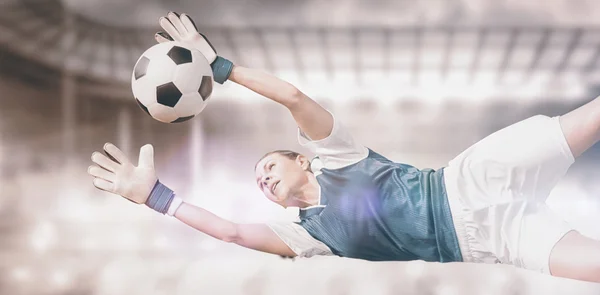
(172, 82)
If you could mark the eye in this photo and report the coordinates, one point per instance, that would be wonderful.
(271, 166)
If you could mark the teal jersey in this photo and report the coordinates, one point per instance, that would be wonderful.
(379, 210)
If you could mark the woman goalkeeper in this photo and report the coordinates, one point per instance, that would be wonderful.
(486, 206)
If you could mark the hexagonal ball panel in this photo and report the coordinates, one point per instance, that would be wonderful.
(189, 104)
(162, 113)
(206, 87)
(144, 90)
(188, 77)
(160, 70)
(180, 55)
(168, 94)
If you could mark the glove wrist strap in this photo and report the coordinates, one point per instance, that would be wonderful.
(160, 198)
(221, 68)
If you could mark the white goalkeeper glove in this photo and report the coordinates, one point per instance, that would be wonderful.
(139, 184)
(182, 29)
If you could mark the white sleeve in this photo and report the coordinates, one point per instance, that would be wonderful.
(299, 240)
(337, 150)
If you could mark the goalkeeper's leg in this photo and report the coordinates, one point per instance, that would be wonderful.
(581, 127)
(577, 257)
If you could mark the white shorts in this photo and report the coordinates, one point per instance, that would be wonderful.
(497, 190)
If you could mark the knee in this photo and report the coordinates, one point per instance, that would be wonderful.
(576, 257)
(596, 266)
(593, 270)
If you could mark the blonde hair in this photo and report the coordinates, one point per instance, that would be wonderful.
(286, 153)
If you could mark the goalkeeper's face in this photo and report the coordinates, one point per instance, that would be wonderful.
(280, 177)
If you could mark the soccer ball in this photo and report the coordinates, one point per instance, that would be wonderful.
(172, 82)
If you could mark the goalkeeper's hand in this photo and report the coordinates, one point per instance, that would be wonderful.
(182, 29)
(117, 175)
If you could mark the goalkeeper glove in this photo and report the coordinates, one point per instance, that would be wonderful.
(182, 29)
(139, 184)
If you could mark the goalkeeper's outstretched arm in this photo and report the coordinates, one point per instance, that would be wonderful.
(253, 236)
(114, 173)
(312, 118)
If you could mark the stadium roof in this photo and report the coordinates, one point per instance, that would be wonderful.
(427, 58)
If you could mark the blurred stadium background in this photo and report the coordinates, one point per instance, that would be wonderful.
(417, 81)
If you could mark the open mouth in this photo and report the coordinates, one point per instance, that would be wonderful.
(274, 187)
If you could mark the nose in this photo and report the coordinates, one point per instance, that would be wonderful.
(266, 179)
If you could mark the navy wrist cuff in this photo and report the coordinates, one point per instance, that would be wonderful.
(221, 68)
(160, 198)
